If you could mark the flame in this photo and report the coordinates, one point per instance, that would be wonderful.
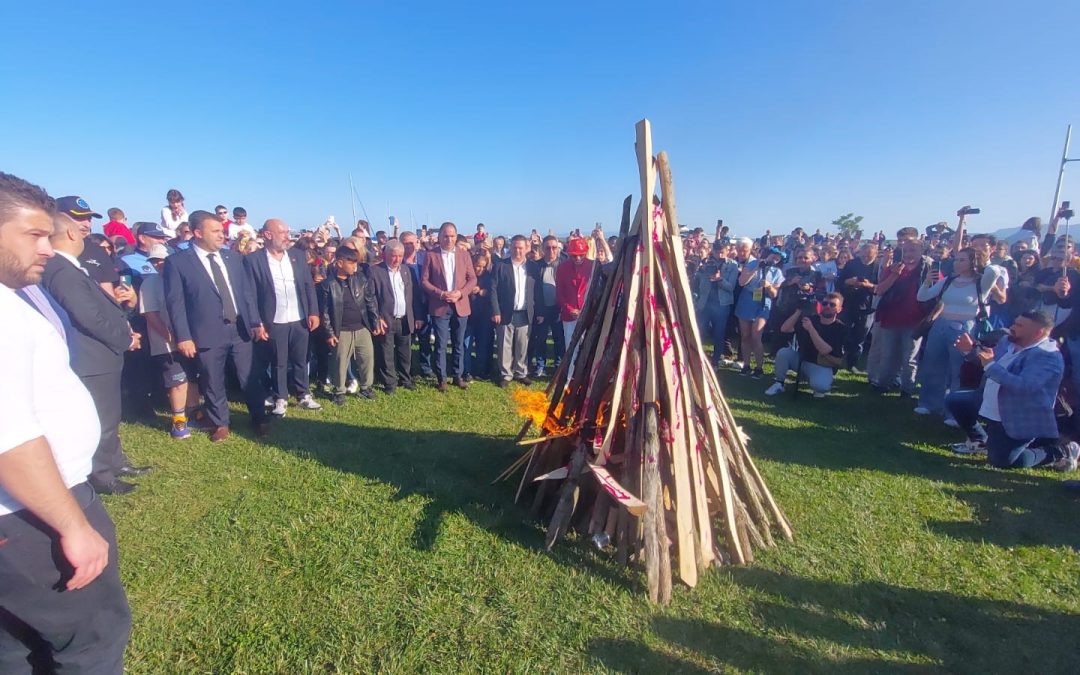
(531, 404)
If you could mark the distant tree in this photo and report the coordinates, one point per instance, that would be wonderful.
(848, 224)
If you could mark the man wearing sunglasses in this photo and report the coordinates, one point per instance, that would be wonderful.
(820, 352)
(547, 308)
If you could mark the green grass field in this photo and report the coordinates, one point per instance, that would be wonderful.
(368, 538)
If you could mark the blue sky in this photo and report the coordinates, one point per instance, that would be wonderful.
(521, 115)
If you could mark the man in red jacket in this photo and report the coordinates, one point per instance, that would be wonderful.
(571, 283)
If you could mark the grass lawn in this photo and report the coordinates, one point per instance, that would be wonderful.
(369, 538)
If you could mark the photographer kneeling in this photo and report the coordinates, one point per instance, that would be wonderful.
(820, 341)
(1022, 376)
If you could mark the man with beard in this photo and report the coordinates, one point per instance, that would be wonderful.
(1022, 376)
(64, 608)
(821, 345)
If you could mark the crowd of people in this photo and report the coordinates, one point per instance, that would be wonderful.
(974, 330)
(172, 313)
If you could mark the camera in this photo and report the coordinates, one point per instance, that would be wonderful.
(968, 211)
(990, 340)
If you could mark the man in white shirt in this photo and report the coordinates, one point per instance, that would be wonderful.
(64, 605)
(512, 304)
(288, 307)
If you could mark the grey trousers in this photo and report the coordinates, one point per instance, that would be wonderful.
(513, 346)
(354, 343)
(893, 354)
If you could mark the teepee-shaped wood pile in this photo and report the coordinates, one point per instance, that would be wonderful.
(636, 406)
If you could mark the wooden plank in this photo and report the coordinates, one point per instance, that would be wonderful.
(617, 492)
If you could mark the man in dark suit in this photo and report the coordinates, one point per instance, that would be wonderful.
(512, 302)
(285, 297)
(99, 337)
(215, 318)
(447, 278)
(396, 296)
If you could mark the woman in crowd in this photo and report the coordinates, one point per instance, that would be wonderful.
(759, 282)
(962, 299)
(173, 213)
(843, 257)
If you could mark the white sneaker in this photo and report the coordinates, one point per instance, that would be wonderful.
(774, 389)
(819, 394)
(738, 365)
(279, 407)
(269, 402)
(950, 422)
(922, 411)
(352, 387)
(1070, 460)
(968, 448)
(726, 363)
(309, 403)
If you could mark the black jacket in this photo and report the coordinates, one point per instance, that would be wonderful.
(502, 291)
(258, 265)
(330, 299)
(384, 295)
(101, 333)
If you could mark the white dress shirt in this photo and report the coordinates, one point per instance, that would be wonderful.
(204, 258)
(72, 259)
(520, 278)
(288, 306)
(398, 284)
(449, 263)
(49, 400)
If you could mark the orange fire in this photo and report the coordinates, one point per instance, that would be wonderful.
(534, 405)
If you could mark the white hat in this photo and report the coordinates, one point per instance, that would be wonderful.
(158, 251)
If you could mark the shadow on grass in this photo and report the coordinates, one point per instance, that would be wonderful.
(452, 472)
(911, 631)
(880, 434)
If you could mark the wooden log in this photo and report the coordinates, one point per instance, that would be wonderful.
(617, 492)
(653, 517)
(568, 496)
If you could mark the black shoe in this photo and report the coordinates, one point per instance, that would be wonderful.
(745, 370)
(390, 391)
(427, 373)
(339, 399)
(134, 471)
(503, 384)
(113, 487)
(523, 380)
(467, 377)
(408, 385)
(369, 394)
(460, 383)
(757, 374)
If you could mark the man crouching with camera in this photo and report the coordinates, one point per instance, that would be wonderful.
(820, 341)
(1020, 387)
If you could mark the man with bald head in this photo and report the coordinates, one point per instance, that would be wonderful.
(285, 295)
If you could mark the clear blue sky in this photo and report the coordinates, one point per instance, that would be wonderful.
(521, 115)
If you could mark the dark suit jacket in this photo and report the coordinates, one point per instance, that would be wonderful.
(415, 304)
(193, 302)
(433, 279)
(258, 264)
(503, 288)
(100, 332)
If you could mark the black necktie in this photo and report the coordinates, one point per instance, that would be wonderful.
(223, 289)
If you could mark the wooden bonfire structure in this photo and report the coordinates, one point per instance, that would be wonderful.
(638, 446)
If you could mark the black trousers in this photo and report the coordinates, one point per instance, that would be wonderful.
(393, 354)
(43, 629)
(288, 351)
(538, 337)
(109, 456)
(212, 361)
(859, 325)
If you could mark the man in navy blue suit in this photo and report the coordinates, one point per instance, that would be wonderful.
(211, 301)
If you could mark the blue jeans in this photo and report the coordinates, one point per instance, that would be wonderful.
(939, 370)
(820, 378)
(1006, 452)
(714, 320)
(449, 327)
(1073, 345)
(479, 340)
(963, 406)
